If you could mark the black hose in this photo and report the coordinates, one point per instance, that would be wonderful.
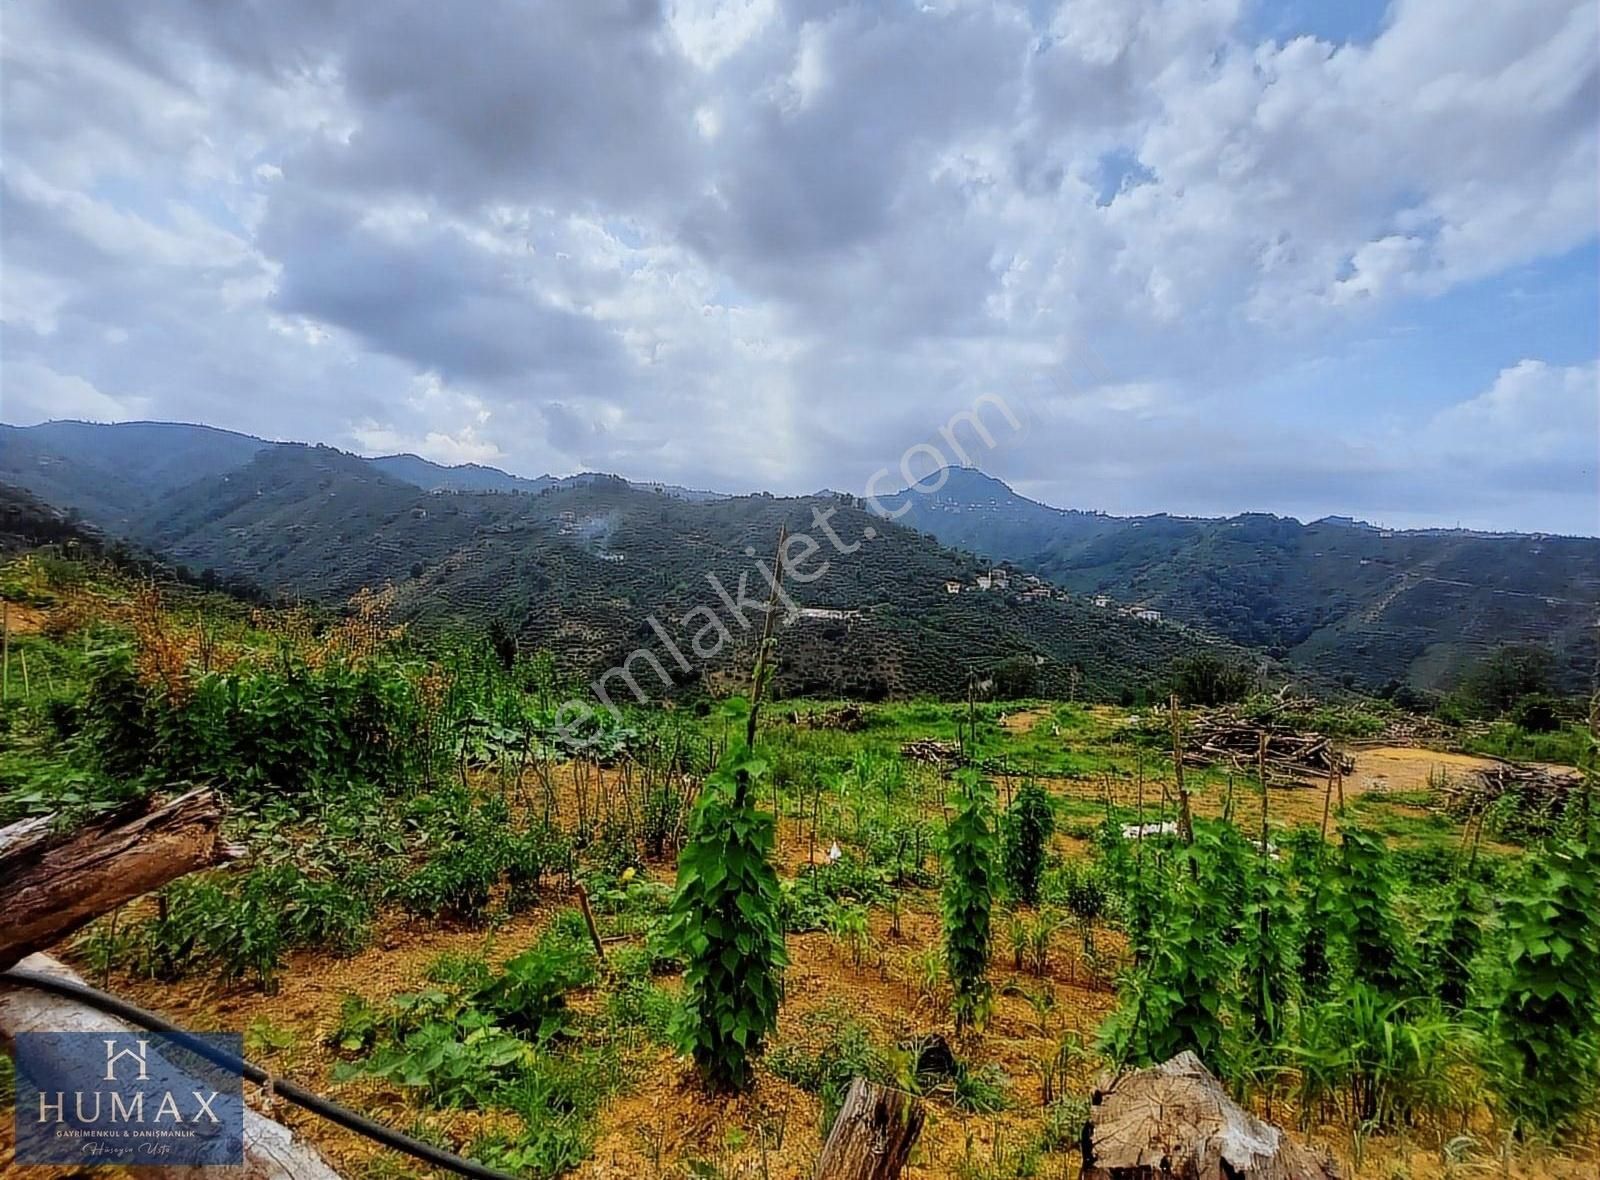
(299, 1095)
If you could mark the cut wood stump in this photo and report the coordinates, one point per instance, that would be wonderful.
(53, 882)
(1175, 1121)
(873, 1136)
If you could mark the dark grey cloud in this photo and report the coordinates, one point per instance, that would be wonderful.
(758, 243)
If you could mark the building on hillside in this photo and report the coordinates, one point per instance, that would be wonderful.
(1145, 614)
(952, 587)
(984, 581)
(1102, 600)
(1000, 578)
(827, 612)
(1034, 594)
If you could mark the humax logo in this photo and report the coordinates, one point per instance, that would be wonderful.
(128, 1098)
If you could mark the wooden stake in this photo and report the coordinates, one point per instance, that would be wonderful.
(1261, 769)
(1327, 798)
(588, 920)
(1185, 819)
(5, 650)
(27, 688)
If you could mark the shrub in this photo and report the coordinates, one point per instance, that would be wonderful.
(457, 881)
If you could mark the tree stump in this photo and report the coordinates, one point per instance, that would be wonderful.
(1174, 1121)
(873, 1136)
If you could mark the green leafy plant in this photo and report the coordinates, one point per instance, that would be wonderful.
(1026, 830)
(530, 993)
(969, 900)
(1548, 1025)
(1380, 952)
(724, 922)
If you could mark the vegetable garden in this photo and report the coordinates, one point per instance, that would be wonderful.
(780, 907)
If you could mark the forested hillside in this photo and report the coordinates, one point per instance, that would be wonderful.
(581, 567)
(1341, 601)
(1353, 601)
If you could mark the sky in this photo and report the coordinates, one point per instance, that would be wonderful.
(1219, 256)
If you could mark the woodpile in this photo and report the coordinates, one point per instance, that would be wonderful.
(932, 751)
(1175, 1121)
(847, 718)
(1293, 756)
(1542, 793)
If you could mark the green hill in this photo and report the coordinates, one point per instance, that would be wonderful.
(1354, 602)
(581, 568)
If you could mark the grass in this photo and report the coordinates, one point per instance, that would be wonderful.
(503, 1037)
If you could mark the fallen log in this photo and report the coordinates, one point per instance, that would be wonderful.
(873, 1135)
(1175, 1121)
(54, 882)
(271, 1151)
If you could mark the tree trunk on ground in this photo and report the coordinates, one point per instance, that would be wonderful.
(52, 883)
(271, 1151)
(873, 1135)
(1176, 1121)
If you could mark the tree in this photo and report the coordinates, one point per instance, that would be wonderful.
(503, 641)
(1498, 681)
(1029, 823)
(1015, 677)
(969, 900)
(1205, 679)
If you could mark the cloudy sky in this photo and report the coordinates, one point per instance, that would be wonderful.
(1220, 255)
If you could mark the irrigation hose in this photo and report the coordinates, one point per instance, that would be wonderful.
(299, 1095)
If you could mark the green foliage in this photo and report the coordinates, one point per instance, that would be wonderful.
(1495, 685)
(1380, 1063)
(1454, 942)
(1027, 827)
(1206, 679)
(358, 1025)
(457, 882)
(1380, 952)
(530, 994)
(1547, 1023)
(461, 1061)
(243, 926)
(969, 900)
(724, 921)
(1178, 997)
(838, 1050)
(1267, 954)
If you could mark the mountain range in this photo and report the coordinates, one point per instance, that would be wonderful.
(581, 563)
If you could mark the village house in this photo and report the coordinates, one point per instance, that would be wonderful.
(1102, 600)
(952, 587)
